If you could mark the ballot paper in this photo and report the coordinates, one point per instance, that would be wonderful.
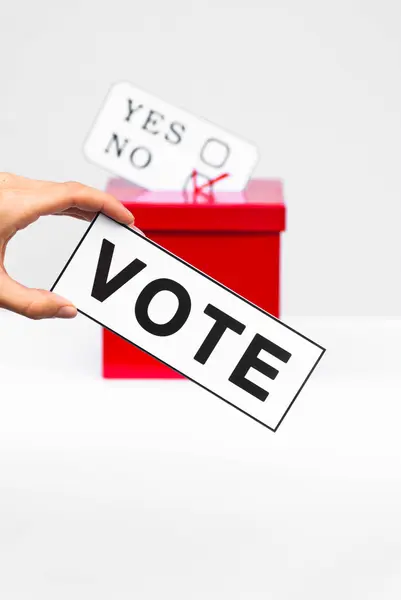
(158, 146)
(192, 323)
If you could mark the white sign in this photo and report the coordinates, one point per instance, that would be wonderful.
(160, 147)
(192, 323)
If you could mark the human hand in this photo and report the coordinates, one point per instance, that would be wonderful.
(22, 202)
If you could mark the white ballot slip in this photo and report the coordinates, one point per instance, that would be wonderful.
(161, 147)
(164, 306)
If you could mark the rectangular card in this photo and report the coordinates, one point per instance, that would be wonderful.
(160, 147)
(161, 304)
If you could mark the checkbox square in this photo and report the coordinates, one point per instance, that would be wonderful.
(215, 153)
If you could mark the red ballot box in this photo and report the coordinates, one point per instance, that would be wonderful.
(233, 237)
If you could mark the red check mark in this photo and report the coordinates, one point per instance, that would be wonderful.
(198, 190)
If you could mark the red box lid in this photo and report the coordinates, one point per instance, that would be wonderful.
(260, 207)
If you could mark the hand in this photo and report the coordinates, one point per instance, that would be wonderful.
(22, 202)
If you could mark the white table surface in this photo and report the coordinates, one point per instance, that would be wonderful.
(157, 490)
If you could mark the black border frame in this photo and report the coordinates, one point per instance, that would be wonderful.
(217, 283)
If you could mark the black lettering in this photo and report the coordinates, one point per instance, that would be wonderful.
(178, 137)
(132, 109)
(138, 163)
(114, 139)
(152, 121)
(223, 322)
(250, 360)
(147, 295)
(103, 289)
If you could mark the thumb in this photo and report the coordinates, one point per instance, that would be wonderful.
(32, 303)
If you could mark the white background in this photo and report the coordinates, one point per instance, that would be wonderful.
(315, 84)
(141, 490)
(121, 489)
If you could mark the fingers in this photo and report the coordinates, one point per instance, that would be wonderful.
(20, 205)
(23, 201)
(83, 215)
(76, 195)
(31, 303)
(17, 181)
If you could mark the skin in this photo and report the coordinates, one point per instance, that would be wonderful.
(22, 202)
